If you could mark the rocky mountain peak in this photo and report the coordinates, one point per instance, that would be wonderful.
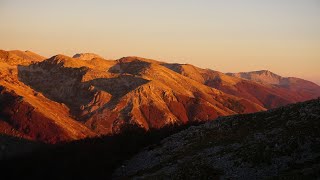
(262, 76)
(86, 56)
(266, 73)
(59, 58)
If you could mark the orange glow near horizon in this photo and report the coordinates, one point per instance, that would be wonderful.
(225, 35)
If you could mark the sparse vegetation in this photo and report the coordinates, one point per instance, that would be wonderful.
(249, 146)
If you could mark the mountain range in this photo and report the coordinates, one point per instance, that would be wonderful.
(64, 98)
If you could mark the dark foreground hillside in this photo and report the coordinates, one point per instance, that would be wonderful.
(284, 142)
(92, 158)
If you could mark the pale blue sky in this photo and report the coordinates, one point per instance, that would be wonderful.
(226, 35)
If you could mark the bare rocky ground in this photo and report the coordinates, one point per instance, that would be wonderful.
(279, 143)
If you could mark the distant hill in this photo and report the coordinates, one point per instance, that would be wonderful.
(262, 87)
(302, 88)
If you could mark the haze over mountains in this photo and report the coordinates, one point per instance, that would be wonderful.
(67, 98)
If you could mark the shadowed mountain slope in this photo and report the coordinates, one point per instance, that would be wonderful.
(279, 143)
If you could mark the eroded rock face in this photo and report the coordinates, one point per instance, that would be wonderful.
(25, 119)
(278, 143)
(130, 90)
(30, 118)
(87, 95)
(27, 113)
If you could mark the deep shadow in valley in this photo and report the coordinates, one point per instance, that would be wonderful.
(88, 158)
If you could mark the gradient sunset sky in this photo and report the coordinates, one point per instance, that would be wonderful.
(282, 36)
